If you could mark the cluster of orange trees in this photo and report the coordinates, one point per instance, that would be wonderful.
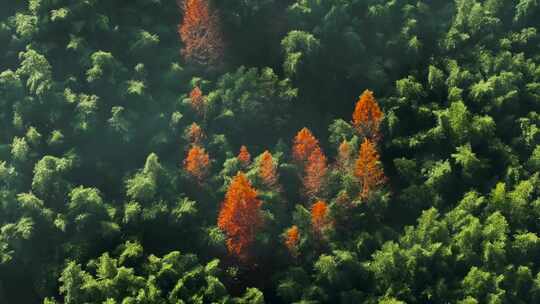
(239, 217)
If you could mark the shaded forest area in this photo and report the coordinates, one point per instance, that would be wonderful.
(267, 151)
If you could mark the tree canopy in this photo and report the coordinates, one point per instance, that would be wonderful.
(299, 151)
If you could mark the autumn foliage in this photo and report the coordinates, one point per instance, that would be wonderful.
(315, 173)
(319, 216)
(304, 144)
(196, 99)
(195, 134)
(197, 162)
(240, 216)
(292, 237)
(368, 170)
(200, 33)
(244, 157)
(267, 170)
(367, 116)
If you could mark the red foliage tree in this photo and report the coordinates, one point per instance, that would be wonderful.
(244, 157)
(319, 216)
(195, 134)
(197, 163)
(267, 170)
(196, 99)
(200, 33)
(240, 216)
(315, 173)
(292, 237)
(368, 169)
(367, 116)
(304, 144)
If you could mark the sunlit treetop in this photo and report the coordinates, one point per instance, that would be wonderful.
(304, 144)
(197, 163)
(200, 31)
(368, 170)
(319, 216)
(367, 116)
(239, 217)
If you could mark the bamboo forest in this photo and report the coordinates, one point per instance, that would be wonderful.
(269, 151)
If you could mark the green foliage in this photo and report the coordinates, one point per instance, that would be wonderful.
(467, 160)
(482, 286)
(173, 278)
(87, 212)
(524, 9)
(103, 65)
(19, 149)
(26, 25)
(409, 88)
(248, 93)
(459, 121)
(143, 186)
(48, 180)
(340, 130)
(435, 78)
(300, 49)
(91, 92)
(85, 112)
(120, 123)
(534, 160)
(36, 70)
(144, 41)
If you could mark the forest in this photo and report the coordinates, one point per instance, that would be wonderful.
(269, 151)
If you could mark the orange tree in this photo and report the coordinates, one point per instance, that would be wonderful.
(197, 163)
(292, 237)
(319, 217)
(267, 170)
(196, 100)
(239, 217)
(200, 32)
(315, 173)
(367, 116)
(304, 144)
(368, 169)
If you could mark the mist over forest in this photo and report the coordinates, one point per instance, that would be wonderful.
(269, 151)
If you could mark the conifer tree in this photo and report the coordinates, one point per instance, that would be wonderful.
(201, 33)
(239, 217)
(304, 144)
(197, 163)
(368, 169)
(315, 173)
(367, 116)
(267, 170)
